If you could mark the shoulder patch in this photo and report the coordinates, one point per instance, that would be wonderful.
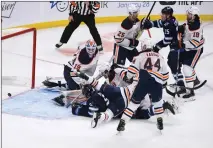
(126, 24)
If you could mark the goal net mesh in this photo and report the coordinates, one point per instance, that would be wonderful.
(18, 57)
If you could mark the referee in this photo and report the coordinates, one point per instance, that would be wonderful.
(82, 12)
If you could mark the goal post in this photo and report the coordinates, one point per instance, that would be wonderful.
(11, 33)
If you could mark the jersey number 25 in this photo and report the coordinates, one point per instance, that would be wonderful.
(149, 66)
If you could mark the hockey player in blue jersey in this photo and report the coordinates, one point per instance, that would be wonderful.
(98, 103)
(170, 28)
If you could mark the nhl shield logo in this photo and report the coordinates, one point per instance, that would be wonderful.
(7, 9)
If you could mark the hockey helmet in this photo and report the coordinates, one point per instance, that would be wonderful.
(91, 47)
(87, 90)
(167, 10)
(133, 8)
(192, 14)
(146, 44)
(193, 10)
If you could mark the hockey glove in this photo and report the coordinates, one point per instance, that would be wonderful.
(129, 81)
(133, 43)
(147, 24)
(156, 48)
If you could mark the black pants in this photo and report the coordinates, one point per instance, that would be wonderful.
(189, 58)
(72, 85)
(147, 85)
(89, 20)
(121, 54)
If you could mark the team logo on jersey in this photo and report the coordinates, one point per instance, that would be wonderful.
(7, 9)
(167, 2)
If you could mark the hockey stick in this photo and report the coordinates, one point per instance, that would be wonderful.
(142, 23)
(194, 88)
(174, 85)
(102, 73)
(71, 102)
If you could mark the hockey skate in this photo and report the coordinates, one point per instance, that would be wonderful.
(121, 125)
(167, 105)
(160, 123)
(96, 119)
(176, 89)
(180, 90)
(189, 96)
(58, 45)
(59, 100)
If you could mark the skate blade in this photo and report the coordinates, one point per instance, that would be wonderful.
(93, 124)
(119, 133)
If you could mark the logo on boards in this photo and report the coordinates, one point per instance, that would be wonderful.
(7, 9)
(60, 5)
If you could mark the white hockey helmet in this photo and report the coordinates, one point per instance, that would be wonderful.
(146, 44)
(91, 47)
(193, 10)
(133, 8)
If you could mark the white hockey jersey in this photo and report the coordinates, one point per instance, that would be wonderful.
(127, 31)
(193, 38)
(118, 78)
(84, 63)
(153, 63)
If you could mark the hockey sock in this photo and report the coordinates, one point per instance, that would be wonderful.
(190, 75)
(158, 108)
(107, 115)
(129, 111)
(179, 78)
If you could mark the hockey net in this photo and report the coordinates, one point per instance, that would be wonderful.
(19, 57)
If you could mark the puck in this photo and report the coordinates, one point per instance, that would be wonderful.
(9, 94)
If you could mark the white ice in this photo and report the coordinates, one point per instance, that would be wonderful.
(193, 127)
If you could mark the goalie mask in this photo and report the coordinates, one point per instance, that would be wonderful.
(146, 44)
(91, 47)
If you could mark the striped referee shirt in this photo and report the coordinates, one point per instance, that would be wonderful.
(84, 8)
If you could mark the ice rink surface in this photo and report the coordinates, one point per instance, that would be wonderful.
(193, 127)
